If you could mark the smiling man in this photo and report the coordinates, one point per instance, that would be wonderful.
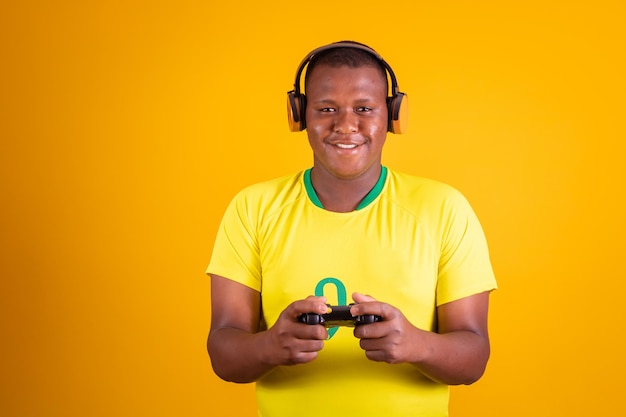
(349, 225)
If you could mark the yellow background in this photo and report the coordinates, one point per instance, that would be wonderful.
(127, 126)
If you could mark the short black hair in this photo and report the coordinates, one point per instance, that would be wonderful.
(345, 56)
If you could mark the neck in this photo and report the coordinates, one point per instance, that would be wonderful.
(343, 195)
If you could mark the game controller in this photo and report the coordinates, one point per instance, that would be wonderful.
(338, 316)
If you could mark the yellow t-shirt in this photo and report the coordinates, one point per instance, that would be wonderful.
(415, 244)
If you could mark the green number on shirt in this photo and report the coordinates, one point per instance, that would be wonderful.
(342, 297)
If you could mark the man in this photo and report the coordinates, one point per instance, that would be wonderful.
(351, 226)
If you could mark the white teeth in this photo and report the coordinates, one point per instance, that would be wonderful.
(346, 145)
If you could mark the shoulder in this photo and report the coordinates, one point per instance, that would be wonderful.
(410, 190)
(270, 194)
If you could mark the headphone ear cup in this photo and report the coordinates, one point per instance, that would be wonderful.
(296, 108)
(398, 106)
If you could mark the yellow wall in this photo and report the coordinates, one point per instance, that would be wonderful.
(127, 126)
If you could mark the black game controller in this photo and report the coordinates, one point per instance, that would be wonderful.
(338, 316)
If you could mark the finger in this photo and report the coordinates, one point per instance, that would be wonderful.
(311, 304)
(308, 346)
(367, 305)
(308, 332)
(362, 298)
(380, 352)
(304, 353)
(316, 304)
(372, 331)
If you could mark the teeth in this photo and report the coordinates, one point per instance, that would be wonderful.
(346, 145)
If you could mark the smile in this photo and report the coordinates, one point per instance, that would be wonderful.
(346, 145)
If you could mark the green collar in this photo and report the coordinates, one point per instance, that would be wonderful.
(374, 192)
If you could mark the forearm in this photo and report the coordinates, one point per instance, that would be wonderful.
(237, 355)
(240, 347)
(454, 358)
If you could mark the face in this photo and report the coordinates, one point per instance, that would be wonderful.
(346, 119)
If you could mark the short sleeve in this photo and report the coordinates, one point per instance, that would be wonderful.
(236, 251)
(464, 266)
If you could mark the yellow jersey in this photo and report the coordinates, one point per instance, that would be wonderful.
(414, 243)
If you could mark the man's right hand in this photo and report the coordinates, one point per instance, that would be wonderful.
(290, 342)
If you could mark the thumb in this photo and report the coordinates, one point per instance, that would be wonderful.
(362, 298)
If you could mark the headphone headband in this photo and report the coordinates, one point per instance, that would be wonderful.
(345, 44)
(397, 105)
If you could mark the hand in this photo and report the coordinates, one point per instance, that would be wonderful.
(392, 340)
(291, 342)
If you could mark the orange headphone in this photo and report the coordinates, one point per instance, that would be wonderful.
(397, 103)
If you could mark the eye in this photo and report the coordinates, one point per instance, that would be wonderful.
(363, 109)
(327, 110)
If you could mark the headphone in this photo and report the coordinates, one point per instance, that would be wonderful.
(397, 103)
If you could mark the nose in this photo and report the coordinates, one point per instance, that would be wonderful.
(346, 122)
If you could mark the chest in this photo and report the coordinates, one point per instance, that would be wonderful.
(389, 255)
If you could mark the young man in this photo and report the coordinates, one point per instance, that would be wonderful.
(351, 226)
